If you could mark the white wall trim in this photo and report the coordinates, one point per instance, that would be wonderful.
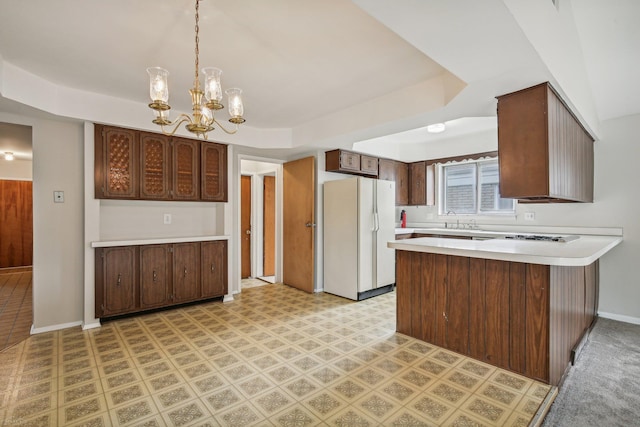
(58, 327)
(620, 317)
(92, 325)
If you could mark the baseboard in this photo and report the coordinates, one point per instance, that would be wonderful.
(58, 327)
(620, 317)
(92, 325)
(228, 297)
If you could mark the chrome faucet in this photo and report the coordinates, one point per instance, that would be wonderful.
(446, 224)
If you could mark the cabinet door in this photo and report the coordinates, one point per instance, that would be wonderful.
(186, 266)
(214, 268)
(387, 170)
(118, 280)
(418, 177)
(154, 166)
(185, 176)
(214, 172)
(402, 183)
(369, 165)
(458, 304)
(116, 160)
(349, 161)
(154, 276)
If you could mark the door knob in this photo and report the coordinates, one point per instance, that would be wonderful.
(248, 231)
(310, 224)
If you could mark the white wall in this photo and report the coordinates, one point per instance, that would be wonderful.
(19, 170)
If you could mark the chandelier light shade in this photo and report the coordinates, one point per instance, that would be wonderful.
(204, 103)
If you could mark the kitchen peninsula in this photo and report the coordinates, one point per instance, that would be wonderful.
(517, 304)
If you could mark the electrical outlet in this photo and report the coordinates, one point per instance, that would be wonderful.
(529, 216)
(58, 197)
(167, 218)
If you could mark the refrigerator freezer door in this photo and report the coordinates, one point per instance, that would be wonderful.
(341, 237)
(386, 209)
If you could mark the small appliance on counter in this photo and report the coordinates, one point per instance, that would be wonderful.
(403, 219)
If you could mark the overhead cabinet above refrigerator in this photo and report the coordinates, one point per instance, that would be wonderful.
(359, 220)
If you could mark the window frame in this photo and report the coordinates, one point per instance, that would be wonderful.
(478, 163)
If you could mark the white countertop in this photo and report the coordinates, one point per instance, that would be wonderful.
(580, 252)
(155, 241)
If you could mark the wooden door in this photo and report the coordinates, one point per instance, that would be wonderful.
(16, 223)
(186, 266)
(117, 280)
(154, 166)
(245, 225)
(213, 158)
(214, 268)
(269, 226)
(299, 223)
(154, 276)
(185, 176)
(116, 163)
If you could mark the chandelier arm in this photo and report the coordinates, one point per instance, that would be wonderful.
(182, 118)
(229, 132)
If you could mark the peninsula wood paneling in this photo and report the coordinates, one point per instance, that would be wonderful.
(527, 318)
(16, 223)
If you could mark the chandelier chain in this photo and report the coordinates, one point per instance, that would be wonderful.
(197, 78)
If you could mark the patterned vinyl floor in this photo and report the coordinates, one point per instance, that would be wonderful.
(274, 356)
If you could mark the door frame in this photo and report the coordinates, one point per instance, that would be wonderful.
(235, 280)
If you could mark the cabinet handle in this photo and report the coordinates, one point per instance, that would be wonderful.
(155, 276)
(119, 279)
(212, 267)
(446, 318)
(185, 272)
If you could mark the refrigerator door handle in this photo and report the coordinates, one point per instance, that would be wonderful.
(376, 222)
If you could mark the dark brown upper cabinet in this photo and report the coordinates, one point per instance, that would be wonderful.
(116, 161)
(351, 163)
(418, 183)
(130, 164)
(393, 170)
(545, 154)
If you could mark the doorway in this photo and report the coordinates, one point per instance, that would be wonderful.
(16, 234)
(259, 227)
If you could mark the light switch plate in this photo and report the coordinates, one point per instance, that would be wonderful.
(529, 216)
(167, 218)
(58, 197)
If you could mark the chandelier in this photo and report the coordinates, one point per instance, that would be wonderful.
(203, 103)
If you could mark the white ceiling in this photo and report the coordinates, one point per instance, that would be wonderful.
(322, 68)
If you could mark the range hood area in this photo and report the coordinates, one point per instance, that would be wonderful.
(545, 154)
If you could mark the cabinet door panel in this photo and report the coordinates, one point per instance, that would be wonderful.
(402, 183)
(350, 161)
(116, 160)
(154, 166)
(214, 172)
(119, 280)
(517, 304)
(418, 179)
(154, 276)
(185, 177)
(369, 165)
(186, 265)
(214, 268)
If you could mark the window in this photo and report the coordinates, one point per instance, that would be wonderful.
(472, 188)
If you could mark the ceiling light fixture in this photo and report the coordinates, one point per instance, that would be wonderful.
(436, 128)
(8, 155)
(202, 120)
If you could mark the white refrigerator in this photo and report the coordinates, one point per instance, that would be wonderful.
(359, 220)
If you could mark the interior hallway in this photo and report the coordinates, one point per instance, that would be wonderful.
(16, 303)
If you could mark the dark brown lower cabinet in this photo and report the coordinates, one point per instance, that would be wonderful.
(527, 318)
(130, 279)
(155, 274)
(116, 280)
(214, 268)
